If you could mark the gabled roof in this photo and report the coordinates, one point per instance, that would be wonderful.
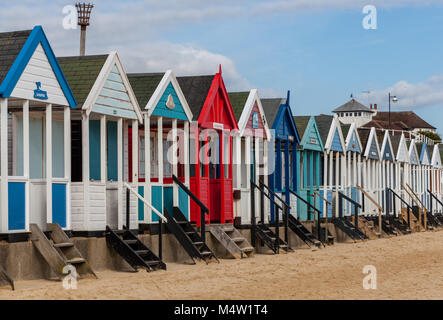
(271, 107)
(402, 146)
(151, 87)
(386, 144)
(16, 50)
(81, 73)
(196, 89)
(89, 74)
(364, 137)
(324, 125)
(352, 106)
(238, 101)
(144, 85)
(413, 154)
(372, 138)
(243, 113)
(348, 132)
(403, 118)
(335, 127)
(423, 150)
(437, 155)
(11, 43)
(305, 125)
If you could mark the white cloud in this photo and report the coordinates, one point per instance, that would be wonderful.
(411, 95)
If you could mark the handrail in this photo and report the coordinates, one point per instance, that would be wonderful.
(145, 202)
(369, 197)
(435, 197)
(267, 196)
(321, 197)
(400, 198)
(190, 194)
(349, 199)
(380, 209)
(275, 195)
(417, 201)
(307, 203)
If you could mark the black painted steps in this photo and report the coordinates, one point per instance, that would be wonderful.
(269, 238)
(300, 230)
(132, 250)
(188, 237)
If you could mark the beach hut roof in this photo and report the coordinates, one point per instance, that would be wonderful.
(238, 101)
(144, 85)
(271, 107)
(11, 43)
(196, 89)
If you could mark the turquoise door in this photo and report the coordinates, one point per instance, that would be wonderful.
(59, 204)
(16, 205)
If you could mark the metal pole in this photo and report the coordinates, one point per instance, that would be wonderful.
(253, 215)
(389, 113)
(160, 234)
(203, 225)
(286, 225)
(277, 230)
(82, 40)
(127, 209)
(340, 206)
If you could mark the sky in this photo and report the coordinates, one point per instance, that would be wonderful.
(317, 49)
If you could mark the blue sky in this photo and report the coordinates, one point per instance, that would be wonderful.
(318, 49)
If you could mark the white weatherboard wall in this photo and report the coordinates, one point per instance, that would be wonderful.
(39, 69)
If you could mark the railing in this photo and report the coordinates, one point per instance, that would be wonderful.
(409, 208)
(380, 209)
(310, 206)
(285, 211)
(203, 209)
(146, 203)
(418, 202)
(316, 193)
(356, 205)
(262, 208)
(436, 199)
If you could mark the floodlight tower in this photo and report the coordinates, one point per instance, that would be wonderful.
(84, 13)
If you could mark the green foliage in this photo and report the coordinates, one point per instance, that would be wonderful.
(431, 135)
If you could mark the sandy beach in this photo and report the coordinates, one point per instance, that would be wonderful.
(408, 267)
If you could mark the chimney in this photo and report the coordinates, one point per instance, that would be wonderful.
(370, 107)
(84, 13)
(375, 106)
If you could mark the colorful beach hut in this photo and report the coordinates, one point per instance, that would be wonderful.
(333, 156)
(106, 107)
(250, 151)
(283, 150)
(371, 168)
(309, 165)
(35, 109)
(166, 126)
(388, 176)
(211, 138)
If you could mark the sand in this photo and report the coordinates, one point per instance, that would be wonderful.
(408, 267)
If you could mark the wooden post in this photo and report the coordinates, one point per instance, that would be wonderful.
(26, 163)
(49, 163)
(120, 171)
(174, 162)
(85, 168)
(4, 165)
(147, 211)
(380, 209)
(67, 160)
(103, 148)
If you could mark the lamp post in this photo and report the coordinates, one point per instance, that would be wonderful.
(394, 99)
(84, 13)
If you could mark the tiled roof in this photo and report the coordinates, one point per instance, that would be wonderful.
(364, 136)
(144, 85)
(301, 122)
(395, 141)
(238, 101)
(11, 43)
(381, 124)
(352, 106)
(408, 118)
(195, 89)
(81, 72)
(324, 124)
(271, 107)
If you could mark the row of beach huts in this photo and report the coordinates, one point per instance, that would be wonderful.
(88, 150)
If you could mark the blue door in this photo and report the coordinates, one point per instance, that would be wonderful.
(16, 205)
(59, 204)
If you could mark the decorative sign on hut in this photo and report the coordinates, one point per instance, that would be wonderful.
(40, 94)
(255, 120)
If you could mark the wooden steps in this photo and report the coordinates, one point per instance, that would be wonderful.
(232, 240)
(59, 251)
